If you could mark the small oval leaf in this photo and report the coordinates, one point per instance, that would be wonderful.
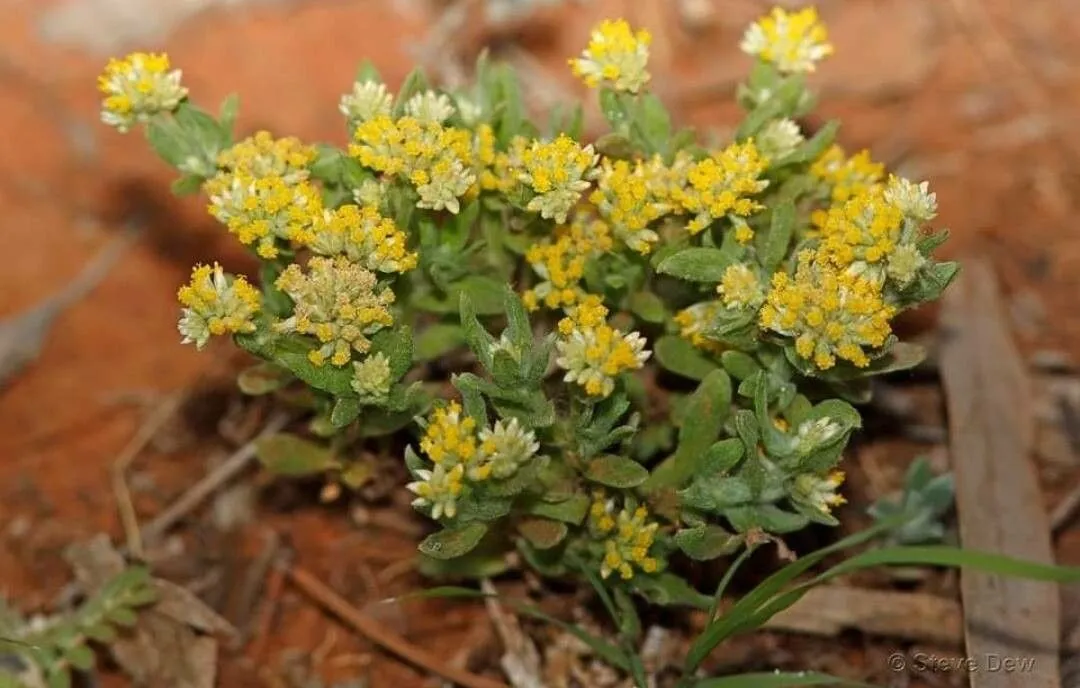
(262, 378)
(681, 357)
(450, 543)
(616, 471)
(696, 264)
(285, 454)
(543, 533)
(707, 542)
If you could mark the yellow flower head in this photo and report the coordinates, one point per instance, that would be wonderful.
(263, 211)
(626, 197)
(450, 438)
(138, 87)
(627, 549)
(593, 353)
(439, 488)
(830, 313)
(362, 235)
(740, 287)
(262, 156)
(215, 305)
(560, 267)
(338, 302)
(557, 172)
(793, 42)
(846, 177)
(696, 321)
(866, 229)
(820, 492)
(366, 101)
(617, 56)
(723, 184)
(588, 235)
(435, 159)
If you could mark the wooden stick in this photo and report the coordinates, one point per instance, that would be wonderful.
(377, 634)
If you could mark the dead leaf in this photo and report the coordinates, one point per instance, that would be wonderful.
(168, 647)
(999, 504)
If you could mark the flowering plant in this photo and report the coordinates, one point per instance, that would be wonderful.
(754, 284)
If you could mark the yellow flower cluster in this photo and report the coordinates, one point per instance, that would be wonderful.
(793, 42)
(864, 228)
(557, 172)
(263, 212)
(616, 56)
(593, 353)
(628, 197)
(830, 313)
(435, 159)
(740, 287)
(138, 87)
(631, 537)
(261, 192)
(366, 101)
(560, 262)
(362, 235)
(339, 303)
(215, 305)
(846, 177)
(262, 156)
(721, 185)
(820, 492)
(461, 453)
(695, 322)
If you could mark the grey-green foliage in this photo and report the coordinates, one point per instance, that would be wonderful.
(925, 501)
(45, 651)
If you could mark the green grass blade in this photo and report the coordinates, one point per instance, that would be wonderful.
(746, 608)
(934, 555)
(778, 680)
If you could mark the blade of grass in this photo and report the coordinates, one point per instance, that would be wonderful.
(719, 629)
(726, 579)
(778, 680)
(938, 555)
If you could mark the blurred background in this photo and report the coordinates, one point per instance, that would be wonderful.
(980, 97)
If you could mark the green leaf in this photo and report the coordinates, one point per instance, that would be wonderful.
(230, 108)
(777, 240)
(716, 495)
(615, 146)
(722, 456)
(543, 533)
(901, 356)
(453, 542)
(702, 421)
(518, 329)
(80, 657)
(397, 346)
(667, 589)
(438, 340)
(262, 378)
(812, 148)
(571, 511)
(346, 410)
(485, 292)
(616, 471)
(798, 679)
(739, 365)
(741, 614)
(653, 123)
(696, 264)
(612, 108)
(292, 353)
(681, 357)
(415, 82)
(368, 72)
(168, 139)
(289, 455)
(707, 542)
(187, 184)
(648, 306)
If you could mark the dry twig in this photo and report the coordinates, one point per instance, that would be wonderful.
(230, 468)
(379, 635)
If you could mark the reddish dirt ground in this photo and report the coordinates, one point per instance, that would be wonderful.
(978, 96)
